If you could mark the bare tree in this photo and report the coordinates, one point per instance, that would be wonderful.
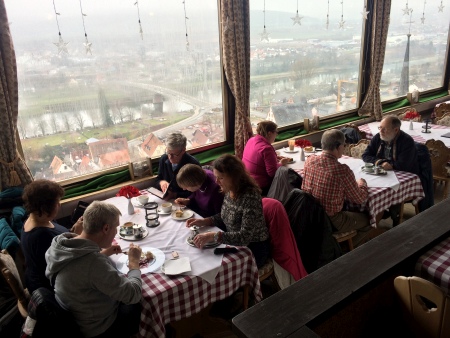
(79, 120)
(66, 121)
(119, 112)
(94, 115)
(41, 124)
(130, 114)
(304, 68)
(54, 123)
(22, 128)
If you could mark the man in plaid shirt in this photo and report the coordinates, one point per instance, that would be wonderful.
(331, 182)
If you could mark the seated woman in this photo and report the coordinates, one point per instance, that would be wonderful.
(206, 198)
(241, 214)
(41, 201)
(260, 157)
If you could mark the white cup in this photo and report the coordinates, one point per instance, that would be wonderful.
(166, 207)
(143, 199)
(369, 166)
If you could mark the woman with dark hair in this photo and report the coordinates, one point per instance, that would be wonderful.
(41, 201)
(241, 214)
(259, 156)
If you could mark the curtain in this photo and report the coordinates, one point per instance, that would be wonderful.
(13, 170)
(371, 105)
(235, 29)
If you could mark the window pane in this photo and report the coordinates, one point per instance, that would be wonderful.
(421, 67)
(308, 69)
(82, 112)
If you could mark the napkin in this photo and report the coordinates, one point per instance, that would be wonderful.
(176, 266)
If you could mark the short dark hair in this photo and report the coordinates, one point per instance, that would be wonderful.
(41, 196)
(191, 175)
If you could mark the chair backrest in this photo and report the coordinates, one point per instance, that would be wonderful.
(440, 155)
(444, 120)
(51, 319)
(312, 229)
(356, 150)
(283, 182)
(442, 109)
(283, 246)
(425, 175)
(426, 306)
(11, 275)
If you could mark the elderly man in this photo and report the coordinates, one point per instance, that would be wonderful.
(392, 149)
(170, 163)
(331, 182)
(104, 302)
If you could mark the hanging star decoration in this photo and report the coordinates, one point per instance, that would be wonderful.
(297, 18)
(61, 44)
(264, 35)
(406, 9)
(139, 21)
(87, 45)
(441, 7)
(328, 15)
(364, 13)
(342, 22)
(227, 25)
(185, 24)
(422, 19)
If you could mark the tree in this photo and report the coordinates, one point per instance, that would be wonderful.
(104, 109)
(79, 120)
(41, 124)
(54, 123)
(66, 121)
(304, 68)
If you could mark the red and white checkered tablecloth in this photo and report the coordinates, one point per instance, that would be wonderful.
(381, 199)
(434, 265)
(167, 299)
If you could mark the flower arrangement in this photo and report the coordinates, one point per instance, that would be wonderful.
(302, 143)
(411, 115)
(128, 191)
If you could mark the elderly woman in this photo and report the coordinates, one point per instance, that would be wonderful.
(170, 163)
(260, 157)
(206, 197)
(41, 201)
(241, 214)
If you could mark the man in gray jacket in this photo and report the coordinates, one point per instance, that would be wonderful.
(104, 302)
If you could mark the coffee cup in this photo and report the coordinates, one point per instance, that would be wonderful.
(166, 207)
(291, 144)
(143, 199)
(369, 166)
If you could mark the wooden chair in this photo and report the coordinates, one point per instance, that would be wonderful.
(426, 306)
(444, 120)
(11, 275)
(345, 237)
(440, 155)
(401, 115)
(362, 135)
(442, 109)
(356, 150)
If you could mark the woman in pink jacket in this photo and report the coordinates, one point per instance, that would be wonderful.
(259, 156)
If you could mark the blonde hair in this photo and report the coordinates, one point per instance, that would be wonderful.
(264, 127)
(191, 175)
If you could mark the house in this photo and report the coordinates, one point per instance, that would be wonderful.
(151, 147)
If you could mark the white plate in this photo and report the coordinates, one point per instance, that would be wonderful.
(131, 237)
(207, 245)
(186, 214)
(154, 265)
(310, 151)
(160, 212)
(292, 162)
(286, 150)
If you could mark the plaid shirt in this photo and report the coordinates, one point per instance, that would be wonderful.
(331, 182)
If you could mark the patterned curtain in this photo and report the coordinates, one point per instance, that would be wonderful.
(13, 170)
(235, 27)
(371, 105)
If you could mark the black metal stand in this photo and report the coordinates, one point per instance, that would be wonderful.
(151, 214)
(426, 128)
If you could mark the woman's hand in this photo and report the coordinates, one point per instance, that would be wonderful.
(113, 249)
(78, 226)
(182, 201)
(201, 239)
(200, 222)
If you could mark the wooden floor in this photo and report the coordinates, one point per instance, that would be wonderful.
(203, 325)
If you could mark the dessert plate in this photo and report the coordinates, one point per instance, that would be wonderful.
(207, 245)
(186, 214)
(310, 151)
(286, 150)
(151, 266)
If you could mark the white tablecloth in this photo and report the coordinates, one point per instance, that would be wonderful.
(170, 236)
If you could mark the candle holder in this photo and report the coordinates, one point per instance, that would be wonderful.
(426, 127)
(151, 214)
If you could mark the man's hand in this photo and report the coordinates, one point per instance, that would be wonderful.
(285, 160)
(78, 226)
(164, 185)
(362, 182)
(134, 256)
(113, 249)
(386, 166)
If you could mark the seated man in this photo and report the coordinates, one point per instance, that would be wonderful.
(392, 149)
(331, 182)
(87, 283)
(170, 163)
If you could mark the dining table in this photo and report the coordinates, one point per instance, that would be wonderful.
(434, 265)
(389, 188)
(435, 131)
(169, 295)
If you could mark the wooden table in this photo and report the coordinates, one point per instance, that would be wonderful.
(171, 298)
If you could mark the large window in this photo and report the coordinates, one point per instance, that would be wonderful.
(416, 48)
(88, 105)
(308, 64)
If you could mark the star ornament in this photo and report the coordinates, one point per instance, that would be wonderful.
(228, 25)
(422, 19)
(406, 10)
(441, 8)
(341, 24)
(264, 35)
(364, 14)
(87, 46)
(297, 19)
(62, 46)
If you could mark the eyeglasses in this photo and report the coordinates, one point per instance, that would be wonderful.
(173, 155)
(383, 128)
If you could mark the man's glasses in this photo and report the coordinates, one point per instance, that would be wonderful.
(383, 128)
(172, 154)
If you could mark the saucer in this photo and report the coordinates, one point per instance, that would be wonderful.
(207, 245)
(286, 150)
(310, 151)
(160, 212)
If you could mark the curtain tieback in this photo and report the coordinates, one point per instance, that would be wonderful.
(14, 179)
